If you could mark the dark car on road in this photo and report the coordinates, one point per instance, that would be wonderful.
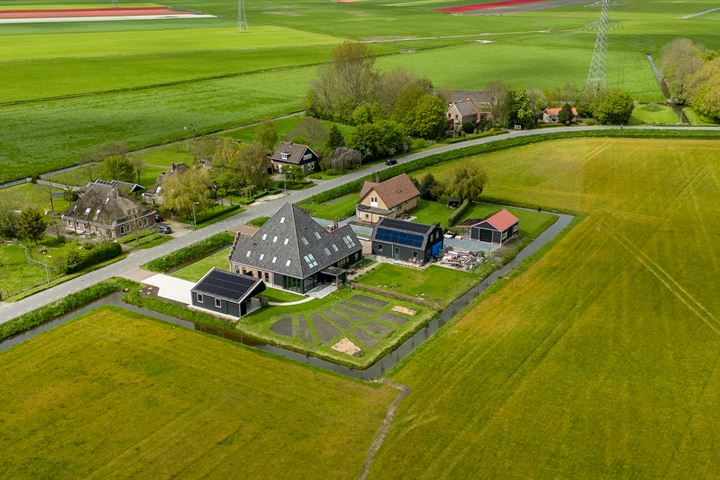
(390, 161)
(163, 228)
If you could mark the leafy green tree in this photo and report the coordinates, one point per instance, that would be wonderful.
(468, 182)
(335, 138)
(309, 131)
(202, 148)
(407, 99)
(427, 119)
(345, 83)
(119, 167)
(521, 112)
(566, 114)
(343, 158)
(380, 139)
(225, 173)
(704, 88)
(430, 188)
(266, 135)
(8, 222)
(31, 225)
(294, 174)
(500, 101)
(615, 109)
(182, 190)
(679, 60)
(252, 165)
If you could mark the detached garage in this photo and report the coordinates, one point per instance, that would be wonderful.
(226, 293)
(499, 228)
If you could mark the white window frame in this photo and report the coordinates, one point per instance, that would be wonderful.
(200, 298)
(218, 303)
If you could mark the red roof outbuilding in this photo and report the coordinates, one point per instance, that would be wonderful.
(502, 220)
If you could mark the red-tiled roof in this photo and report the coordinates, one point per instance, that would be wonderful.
(553, 112)
(502, 220)
(393, 191)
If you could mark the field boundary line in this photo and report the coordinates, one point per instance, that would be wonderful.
(403, 391)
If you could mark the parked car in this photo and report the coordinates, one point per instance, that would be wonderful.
(163, 228)
(390, 161)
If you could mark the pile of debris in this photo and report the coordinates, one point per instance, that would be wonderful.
(460, 259)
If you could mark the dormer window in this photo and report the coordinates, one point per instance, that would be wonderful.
(284, 155)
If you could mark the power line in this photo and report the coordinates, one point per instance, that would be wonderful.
(242, 18)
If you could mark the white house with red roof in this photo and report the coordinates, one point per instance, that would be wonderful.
(498, 228)
(550, 115)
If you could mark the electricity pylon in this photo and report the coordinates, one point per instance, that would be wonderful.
(597, 77)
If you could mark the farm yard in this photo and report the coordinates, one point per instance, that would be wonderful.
(599, 359)
(143, 82)
(116, 394)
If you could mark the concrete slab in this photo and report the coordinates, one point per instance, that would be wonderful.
(171, 288)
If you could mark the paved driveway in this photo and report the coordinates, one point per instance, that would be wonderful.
(171, 288)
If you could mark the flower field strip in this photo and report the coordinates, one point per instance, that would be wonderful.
(482, 6)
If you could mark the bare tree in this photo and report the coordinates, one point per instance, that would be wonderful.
(679, 60)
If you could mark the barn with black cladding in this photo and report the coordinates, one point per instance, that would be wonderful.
(407, 241)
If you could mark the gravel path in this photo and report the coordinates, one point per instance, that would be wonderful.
(8, 311)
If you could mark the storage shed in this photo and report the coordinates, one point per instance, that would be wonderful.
(407, 241)
(226, 293)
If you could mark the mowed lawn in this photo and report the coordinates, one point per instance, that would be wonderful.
(439, 285)
(600, 360)
(116, 395)
(335, 209)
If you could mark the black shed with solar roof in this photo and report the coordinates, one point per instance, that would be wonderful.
(226, 292)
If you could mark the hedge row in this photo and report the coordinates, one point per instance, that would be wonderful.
(81, 259)
(62, 307)
(459, 212)
(191, 252)
(502, 144)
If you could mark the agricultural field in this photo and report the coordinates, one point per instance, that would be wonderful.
(22, 268)
(653, 114)
(115, 394)
(599, 360)
(68, 88)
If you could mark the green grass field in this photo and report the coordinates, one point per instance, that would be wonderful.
(653, 113)
(196, 270)
(68, 88)
(113, 394)
(599, 361)
(335, 209)
(421, 283)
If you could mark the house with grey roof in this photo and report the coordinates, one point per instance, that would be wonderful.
(294, 252)
(154, 195)
(107, 209)
(294, 154)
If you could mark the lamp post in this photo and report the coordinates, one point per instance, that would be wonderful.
(194, 217)
(47, 275)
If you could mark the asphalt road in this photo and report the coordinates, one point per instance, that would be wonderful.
(8, 311)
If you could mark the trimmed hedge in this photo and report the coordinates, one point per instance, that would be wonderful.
(455, 216)
(81, 259)
(191, 252)
(62, 307)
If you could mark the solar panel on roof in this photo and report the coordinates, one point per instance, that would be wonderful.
(402, 238)
(224, 284)
(407, 226)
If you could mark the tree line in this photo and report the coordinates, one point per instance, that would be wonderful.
(692, 74)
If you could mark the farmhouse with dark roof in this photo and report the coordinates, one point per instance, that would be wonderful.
(294, 154)
(292, 251)
(226, 293)
(498, 228)
(389, 199)
(105, 209)
(407, 241)
(155, 194)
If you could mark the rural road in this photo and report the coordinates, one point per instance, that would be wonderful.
(8, 311)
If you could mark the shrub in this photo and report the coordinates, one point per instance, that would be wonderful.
(62, 307)
(191, 252)
(90, 254)
(615, 109)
